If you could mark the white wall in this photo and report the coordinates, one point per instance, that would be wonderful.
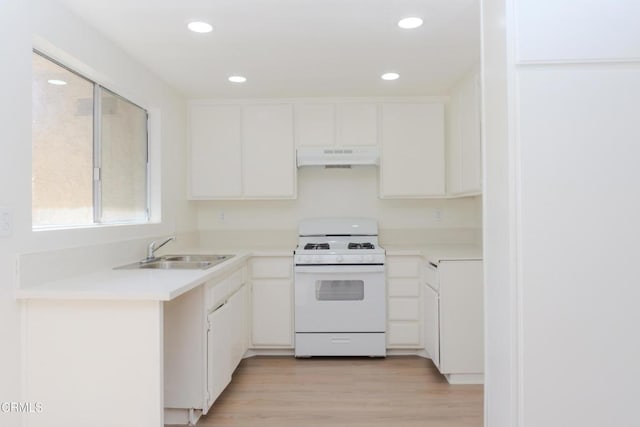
(15, 129)
(565, 131)
(343, 192)
(65, 37)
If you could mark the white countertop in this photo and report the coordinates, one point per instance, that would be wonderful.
(438, 253)
(165, 285)
(135, 284)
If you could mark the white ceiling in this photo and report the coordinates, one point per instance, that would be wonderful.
(294, 48)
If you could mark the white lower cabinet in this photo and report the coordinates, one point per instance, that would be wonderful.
(453, 319)
(218, 352)
(272, 302)
(431, 323)
(226, 342)
(404, 318)
(239, 327)
(205, 337)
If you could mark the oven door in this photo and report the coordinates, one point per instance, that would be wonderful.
(340, 298)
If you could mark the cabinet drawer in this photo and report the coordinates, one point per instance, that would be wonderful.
(401, 287)
(218, 291)
(431, 276)
(403, 268)
(279, 268)
(342, 344)
(403, 334)
(404, 309)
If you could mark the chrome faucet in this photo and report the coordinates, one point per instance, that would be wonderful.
(152, 248)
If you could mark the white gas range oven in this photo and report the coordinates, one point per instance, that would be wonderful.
(340, 291)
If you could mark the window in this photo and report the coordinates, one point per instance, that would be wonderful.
(89, 151)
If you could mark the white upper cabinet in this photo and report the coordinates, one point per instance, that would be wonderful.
(412, 158)
(345, 124)
(247, 149)
(357, 124)
(241, 151)
(315, 125)
(464, 166)
(570, 30)
(215, 151)
(268, 151)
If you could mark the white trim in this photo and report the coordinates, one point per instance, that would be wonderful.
(69, 61)
(465, 378)
(275, 352)
(79, 70)
(514, 226)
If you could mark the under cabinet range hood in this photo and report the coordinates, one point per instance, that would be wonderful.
(337, 156)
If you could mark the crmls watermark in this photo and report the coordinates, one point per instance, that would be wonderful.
(22, 407)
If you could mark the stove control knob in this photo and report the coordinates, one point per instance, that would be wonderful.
(339, 258)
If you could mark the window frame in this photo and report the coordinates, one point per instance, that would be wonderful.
(97, 160)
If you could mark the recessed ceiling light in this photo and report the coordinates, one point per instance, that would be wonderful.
(390, 76)
(410, 23)
(237, 79)
(200, 27)
(57, 82)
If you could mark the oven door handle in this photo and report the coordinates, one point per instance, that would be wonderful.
(331, 269)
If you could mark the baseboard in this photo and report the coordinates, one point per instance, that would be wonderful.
(252, 352)
(465, 378)
(290, 352)
(407, 352)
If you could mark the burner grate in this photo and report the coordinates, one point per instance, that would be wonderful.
(315, 246)
(366, 245)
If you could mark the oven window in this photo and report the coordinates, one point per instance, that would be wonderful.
(339, 290)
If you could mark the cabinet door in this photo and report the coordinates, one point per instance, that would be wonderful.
(357, 124)
(315, 125)
(215, 157)
(454, 143)
(461, 317)
(238, 309)
(246, 318)
(471, 161)
(465, 163)
(412, 160)
(272, 308)
(218, 353)
(431, 325)
(268, 151)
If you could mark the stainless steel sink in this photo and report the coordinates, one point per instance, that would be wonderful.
(196, 258)
(178, 262)
(173, 265)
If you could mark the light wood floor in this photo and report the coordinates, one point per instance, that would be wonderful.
(354, 392)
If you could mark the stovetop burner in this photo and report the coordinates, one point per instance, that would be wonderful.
(366, 245)
(316, 246)
(338, 242)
